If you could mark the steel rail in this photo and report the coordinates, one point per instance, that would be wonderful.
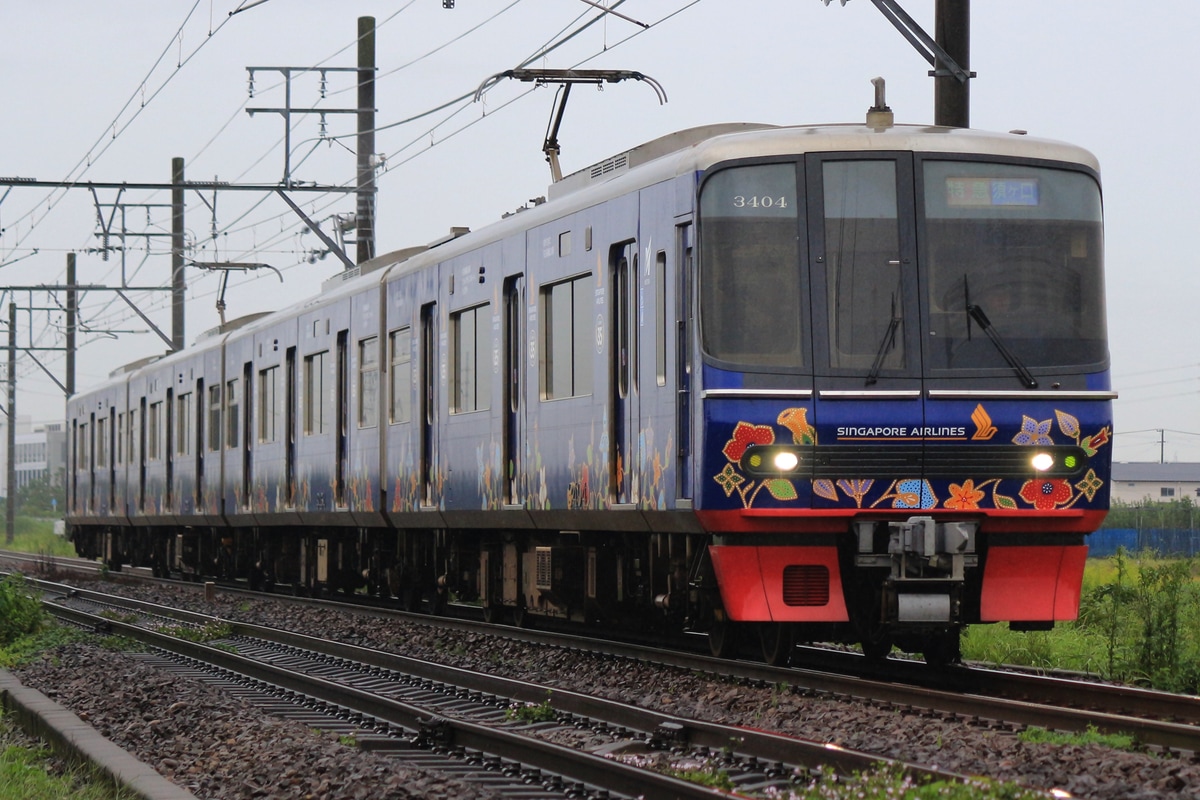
(1157, 719)
(546, 756)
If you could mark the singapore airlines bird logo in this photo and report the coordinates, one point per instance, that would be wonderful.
(984, 429)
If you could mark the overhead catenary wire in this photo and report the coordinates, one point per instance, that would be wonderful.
(265, 245)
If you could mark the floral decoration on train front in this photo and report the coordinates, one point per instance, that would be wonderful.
(967, 493)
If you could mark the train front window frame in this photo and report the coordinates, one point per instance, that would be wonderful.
(862, 265)
(876, 307)
(753, 298)
(1021, 242)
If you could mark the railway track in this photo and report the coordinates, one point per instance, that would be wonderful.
(461, 721)
(1016, 698)
(1158, 720)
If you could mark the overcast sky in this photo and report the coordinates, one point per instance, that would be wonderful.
(113, 91)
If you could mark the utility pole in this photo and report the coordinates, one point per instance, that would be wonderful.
(10, 503)
(947, 54)
(177, 275)
(72, 310)
(365, 211)
(951, 96)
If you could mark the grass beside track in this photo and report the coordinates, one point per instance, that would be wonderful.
(30, 771)
(36, 536)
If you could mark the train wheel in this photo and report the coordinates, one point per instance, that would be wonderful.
(943, 649)
(722, 639)
(876, 648)
(493, 614)
(521, 617)
(777, 642)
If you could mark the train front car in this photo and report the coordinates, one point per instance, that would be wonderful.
(905, 407)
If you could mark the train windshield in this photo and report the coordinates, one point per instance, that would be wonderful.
(1008, 266)
(1016, 248)
(751, 303)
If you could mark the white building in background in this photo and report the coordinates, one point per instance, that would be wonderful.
(1134, 482)
(41, 452)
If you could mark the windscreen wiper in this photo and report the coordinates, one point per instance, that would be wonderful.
(887, 343)
(976, 313)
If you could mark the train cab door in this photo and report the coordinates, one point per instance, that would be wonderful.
(683, 357)
(514, 326)
(623, 385)
(866, 331)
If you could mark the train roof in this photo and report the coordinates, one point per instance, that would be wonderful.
(697, 149)
(686, 152)
(692, 151)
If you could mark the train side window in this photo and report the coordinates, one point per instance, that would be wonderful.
(314, 393)
(153, 431)
(183, 424)
(131, 432)
(660, 318)
(470, 369)
(268, 403)
(232, 418)
(120, 439)
(214, 417)
(101, 434)
(567, 349)
(400, 353)
(368, 382)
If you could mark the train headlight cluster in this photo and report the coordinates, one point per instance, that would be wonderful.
(1058, 460)
(772, 460)
(786, 461)
(1043, 461)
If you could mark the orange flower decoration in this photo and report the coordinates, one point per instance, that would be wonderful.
(965, 497)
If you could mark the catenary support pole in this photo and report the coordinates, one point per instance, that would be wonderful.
(952, 97)
(365, 212)
(10, 503)
(72, 309)
(177, 274)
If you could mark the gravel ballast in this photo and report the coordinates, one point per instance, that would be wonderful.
(218, 748)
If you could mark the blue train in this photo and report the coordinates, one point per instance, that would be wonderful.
(771, 384)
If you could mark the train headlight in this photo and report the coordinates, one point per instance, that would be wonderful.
(1056, 461)
(1042, 461)
(786, 461)
(773, 459)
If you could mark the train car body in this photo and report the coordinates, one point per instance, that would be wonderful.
(823, 383)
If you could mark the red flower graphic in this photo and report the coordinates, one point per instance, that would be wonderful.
(1046, 493)
(745, 435)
